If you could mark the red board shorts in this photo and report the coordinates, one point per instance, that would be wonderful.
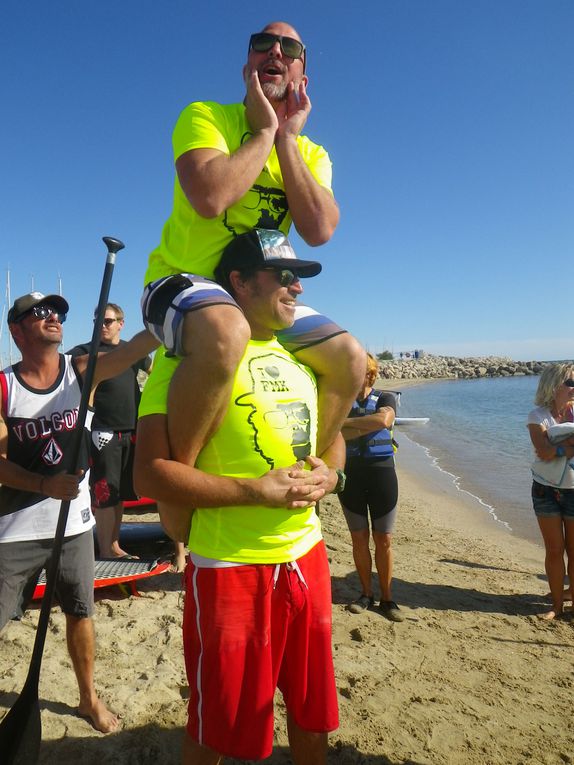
(166, 301)
(248, 630)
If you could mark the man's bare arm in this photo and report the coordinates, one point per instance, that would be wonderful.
(313, 208)
(324, 468)
(117, 361)
(212, 180)
(158, 476)
(60, 486)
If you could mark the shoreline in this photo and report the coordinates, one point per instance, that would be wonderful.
(419, 459)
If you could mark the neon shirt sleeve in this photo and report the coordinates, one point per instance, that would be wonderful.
(200, 126)
(318, 162)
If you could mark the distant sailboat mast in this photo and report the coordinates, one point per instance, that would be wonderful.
(9, 303)
(1, 333)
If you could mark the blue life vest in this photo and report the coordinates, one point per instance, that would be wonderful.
(379, 443)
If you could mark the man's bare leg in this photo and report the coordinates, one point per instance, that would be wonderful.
(340, 364)
(307, 748)
(214, 341)
(81, 646)
(108, 524)
(196, 754)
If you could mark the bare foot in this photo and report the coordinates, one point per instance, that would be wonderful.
(548, 616)
(100, 716)
(117, 552)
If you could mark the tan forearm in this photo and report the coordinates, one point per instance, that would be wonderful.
(313, 208)
(17, 477)
(334, 455)
(213, 181)
(115, 362)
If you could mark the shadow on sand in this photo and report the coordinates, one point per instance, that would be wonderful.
(153, 745)
(442, 597)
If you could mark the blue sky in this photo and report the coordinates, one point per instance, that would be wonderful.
(449, 124)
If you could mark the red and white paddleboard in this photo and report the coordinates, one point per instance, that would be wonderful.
(143, 503)
(116, 571)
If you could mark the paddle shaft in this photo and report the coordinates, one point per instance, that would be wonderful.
(17, 719)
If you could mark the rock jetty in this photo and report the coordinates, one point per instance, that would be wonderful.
(452, 367)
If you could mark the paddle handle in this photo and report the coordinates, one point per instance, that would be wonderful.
(113, 245)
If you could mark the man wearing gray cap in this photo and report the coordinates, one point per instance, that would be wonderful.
(258, 599)
(39, 401)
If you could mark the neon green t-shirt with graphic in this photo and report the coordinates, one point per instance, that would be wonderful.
(190, 243)
(271, 423)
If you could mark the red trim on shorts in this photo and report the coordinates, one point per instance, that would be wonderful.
(243, 637)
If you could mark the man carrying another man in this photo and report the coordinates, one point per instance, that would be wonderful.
(258, 599)
(39, 401)
(241, 166)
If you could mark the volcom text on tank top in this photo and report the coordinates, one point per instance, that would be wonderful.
(41, 426)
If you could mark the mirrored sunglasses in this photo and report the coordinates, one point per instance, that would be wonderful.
(44, 312)
(285, 277)
(261, 42)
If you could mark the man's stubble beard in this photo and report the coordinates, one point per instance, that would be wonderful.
(275, 92)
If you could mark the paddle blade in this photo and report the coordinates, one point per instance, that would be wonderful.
(21, 730)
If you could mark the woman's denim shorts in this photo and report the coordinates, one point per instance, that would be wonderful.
(549, 501)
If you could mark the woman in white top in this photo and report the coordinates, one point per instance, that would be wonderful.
(553, 490)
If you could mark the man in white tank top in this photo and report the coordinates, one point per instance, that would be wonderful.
(39, 401)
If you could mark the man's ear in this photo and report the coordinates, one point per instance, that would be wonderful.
(236, 281)
(16, 331)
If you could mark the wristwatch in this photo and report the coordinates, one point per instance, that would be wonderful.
(341, 480)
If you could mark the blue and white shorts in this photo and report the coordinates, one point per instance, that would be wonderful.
(166, 301)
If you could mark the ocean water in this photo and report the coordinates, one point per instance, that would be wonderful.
(477, 436)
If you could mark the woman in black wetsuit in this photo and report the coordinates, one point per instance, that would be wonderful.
(371, 490)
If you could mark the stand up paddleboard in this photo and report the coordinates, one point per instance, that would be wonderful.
(143, 503)
(411, 420)
(116, 571)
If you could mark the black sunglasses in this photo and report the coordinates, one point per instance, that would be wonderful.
(568, 383)
(261, 42)
(285, 277)
(44, 312)
(108, 322)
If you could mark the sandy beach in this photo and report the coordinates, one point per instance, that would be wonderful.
(471, 676)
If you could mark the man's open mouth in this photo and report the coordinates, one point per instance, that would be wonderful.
(273, 70)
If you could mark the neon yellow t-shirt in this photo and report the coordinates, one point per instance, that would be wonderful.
(271, 423)
(190, 243)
